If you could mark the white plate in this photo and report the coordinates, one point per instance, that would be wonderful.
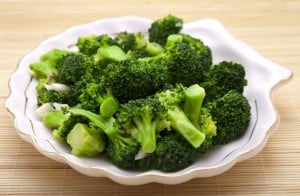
(263, 78)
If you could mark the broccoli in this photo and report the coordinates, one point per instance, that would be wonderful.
(94, 98)
(47, 96)
(121, 149)
(85, 141)
(46, 67)
(137, 42)
(184, 63)
(55, 119)
(88, 45)
(174, 153)
(231, 114)
(72, 67)
(134, 79)
(223, 77)
(143, 119)
(172, 99)
(199, 116)
(161, 28)
(108, 54)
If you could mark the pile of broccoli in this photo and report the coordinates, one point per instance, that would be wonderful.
(156, 103)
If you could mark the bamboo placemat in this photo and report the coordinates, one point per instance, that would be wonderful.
(271, 27)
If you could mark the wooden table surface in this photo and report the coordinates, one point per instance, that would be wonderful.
(271, 27)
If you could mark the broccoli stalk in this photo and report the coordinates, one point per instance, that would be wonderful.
(121, 150)
(179, 120)
(194, 96)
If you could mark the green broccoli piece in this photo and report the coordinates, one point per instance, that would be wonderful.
(94, 97)
(47, 96)
(55, 119)
(143, 119)
(232, 116)
(223, 77)
(161, 28)
(121, 149)
(46, 67)
(199, 116)
(174, 153)
(203, 52)
(108, 54)
(134, 79)
(172, 99)
(184, 64)
(85, 141)
(72, 67)
(88, 45)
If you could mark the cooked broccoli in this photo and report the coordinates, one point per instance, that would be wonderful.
(161, 28)
(231, 114)
(223, 77)
(96, 99)
(199, 116)
(85, 141)
(203, 52)
(185, 64)
(155, 103)
(137, 42)
(55, 119)
(88, 45)
(72, 67)
(47, 96)
(134, 79)
(143, 119)
(121, 149)
(171, 99)
(108, 54)
(46, 67)
(174, 153)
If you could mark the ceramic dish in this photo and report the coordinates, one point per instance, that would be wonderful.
(263, 78)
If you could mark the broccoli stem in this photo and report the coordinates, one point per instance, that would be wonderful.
(146, 133)
(194, 96)
(106, 125)
(181, 124)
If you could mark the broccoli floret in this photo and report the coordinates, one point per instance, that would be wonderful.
(161, 28)
(172, 100)
(134, 79)
(174, 153)
(137, 42)
(143, 119)
(88, 45)
(66, 125)
(121, 149)
(47, 96)
(96, 99)
(85, 141)
(203, 52)
(223, 77)
(232, 116)
(184, 65)
(72, 67)
(46, 67)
